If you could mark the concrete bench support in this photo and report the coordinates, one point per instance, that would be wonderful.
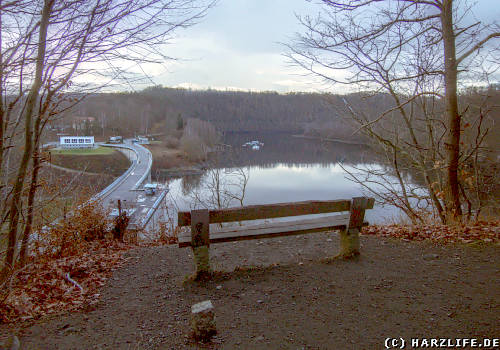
(349, 238)
(200, 241)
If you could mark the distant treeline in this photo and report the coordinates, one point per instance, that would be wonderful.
(161, 110)
(158, 110)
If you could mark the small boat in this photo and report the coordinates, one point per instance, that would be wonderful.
(253, 144)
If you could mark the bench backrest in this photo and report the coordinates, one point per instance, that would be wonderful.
(269, 211)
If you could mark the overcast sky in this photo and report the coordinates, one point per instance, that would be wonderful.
(237, 46)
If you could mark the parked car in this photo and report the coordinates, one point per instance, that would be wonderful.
(150, 189)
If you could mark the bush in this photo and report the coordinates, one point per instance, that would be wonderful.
(72, 235)
(193, 147)
(172, 142)
(202, 129)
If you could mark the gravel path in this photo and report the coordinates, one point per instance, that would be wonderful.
(283, 296)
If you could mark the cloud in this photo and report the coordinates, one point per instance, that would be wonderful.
(237, 47)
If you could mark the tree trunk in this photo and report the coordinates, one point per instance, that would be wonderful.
(16, 203)
(1, 96)
(31, 197)
(452, 116)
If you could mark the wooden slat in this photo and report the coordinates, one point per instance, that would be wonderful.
(255, 212)
(238, 233)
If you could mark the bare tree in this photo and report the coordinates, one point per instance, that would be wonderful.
(414, 52)
(198, 139)
(221, 188)
(53, 51)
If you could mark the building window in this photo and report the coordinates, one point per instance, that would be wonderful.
(67, 140)
(74, 141)
(81, 141)
(87, 141)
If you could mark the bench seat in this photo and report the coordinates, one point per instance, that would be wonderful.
(273, 229)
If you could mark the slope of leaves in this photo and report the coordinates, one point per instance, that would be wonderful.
(69, 260)
(481, 231)
(43, 287)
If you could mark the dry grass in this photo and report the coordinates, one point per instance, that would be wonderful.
(84, 151)
(114, 163)
(168, 158)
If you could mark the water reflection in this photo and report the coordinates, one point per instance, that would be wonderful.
(190, 183)
(287, 150)
(282, 183)
(286, 169)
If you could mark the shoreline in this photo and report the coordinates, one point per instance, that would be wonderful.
(330, 140)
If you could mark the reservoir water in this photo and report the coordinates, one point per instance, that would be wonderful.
(284, 169)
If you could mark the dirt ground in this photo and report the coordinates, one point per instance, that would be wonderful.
(283, 296)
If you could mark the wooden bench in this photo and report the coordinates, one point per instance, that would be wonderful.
(200, 237)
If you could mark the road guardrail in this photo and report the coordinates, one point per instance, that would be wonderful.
(152, 210)
(122, 177)
(150, 164)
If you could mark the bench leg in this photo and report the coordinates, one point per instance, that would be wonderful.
(349, 243)
(202, 261)
(349, 238)
(200, 227)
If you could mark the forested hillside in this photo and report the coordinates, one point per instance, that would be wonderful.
(159, 110)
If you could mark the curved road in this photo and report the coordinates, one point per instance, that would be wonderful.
(125, 191)
(140, 207)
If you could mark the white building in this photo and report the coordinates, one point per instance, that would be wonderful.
(76, 142)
